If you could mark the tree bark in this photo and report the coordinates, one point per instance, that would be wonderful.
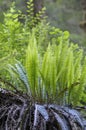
(83, 22)
(38, 5)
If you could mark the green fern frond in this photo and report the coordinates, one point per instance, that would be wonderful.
(77, 65)
(32, 65)
(76, 88)
(49, 73)
(19, 73)
(70, 68)
(23, 76)
(61, 61)
(83, 74)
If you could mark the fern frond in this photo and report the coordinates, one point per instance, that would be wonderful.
(32, 65)
(62, 62)
(75, 87)
(23, 76)
(78, 64)
(18, 71)
(70, 68)
(49, 73)
(83, 74)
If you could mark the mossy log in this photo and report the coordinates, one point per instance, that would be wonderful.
(17, 112)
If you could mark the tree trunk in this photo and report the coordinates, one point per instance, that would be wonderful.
(38, 5)
(83, 22)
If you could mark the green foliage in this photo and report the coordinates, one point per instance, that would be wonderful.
(14, 33)
(10, 33)
(57, 75)
(33, 18)
(18, 73)
(55, 68)
(32, 65)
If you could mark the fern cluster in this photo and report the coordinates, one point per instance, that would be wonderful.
(57, 75)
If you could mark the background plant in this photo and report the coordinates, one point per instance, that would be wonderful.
(15, 30)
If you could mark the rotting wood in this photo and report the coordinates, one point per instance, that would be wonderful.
(18, 113)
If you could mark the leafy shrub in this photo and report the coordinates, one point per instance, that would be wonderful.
(15, 30)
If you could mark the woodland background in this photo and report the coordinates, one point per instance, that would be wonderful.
(63, 14)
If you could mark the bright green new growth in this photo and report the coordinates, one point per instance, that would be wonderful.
(32, 65)
(56, 76)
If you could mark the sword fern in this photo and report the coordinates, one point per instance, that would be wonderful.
(58, 75)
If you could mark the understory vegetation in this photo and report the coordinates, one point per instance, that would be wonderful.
(42, 74)
(49, 67)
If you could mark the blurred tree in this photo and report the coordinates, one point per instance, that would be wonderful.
(83, 22)
(38, 5)
(84, 4)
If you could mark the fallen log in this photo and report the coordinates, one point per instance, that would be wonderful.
(17, 112)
